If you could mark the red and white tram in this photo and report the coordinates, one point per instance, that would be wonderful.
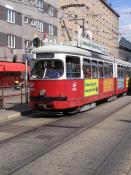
(66, 78)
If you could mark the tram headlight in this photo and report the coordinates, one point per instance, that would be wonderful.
(42, 92)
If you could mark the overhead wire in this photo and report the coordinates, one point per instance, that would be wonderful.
(70, 1)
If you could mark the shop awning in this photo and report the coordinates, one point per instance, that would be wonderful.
(12, 67)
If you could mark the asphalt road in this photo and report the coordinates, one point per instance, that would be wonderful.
(96, 142)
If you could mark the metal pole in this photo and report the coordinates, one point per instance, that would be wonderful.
(26, 79)
(83, 25)
(21, 94)
(67, 30)
(2, 96)
(83, 33)
(2, 91)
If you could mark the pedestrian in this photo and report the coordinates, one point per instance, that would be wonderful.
(16, 85)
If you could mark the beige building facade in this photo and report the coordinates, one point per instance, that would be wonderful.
(96, 20)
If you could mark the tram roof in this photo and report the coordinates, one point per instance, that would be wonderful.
(62, 49)
(77, 51)
(121, 62)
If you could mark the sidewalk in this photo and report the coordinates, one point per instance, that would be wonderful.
(10, 91)
(13, 108)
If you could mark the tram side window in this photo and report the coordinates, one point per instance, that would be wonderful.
(94, 69)
(87, 68)
(73, 67)
(100, 69)
(106, 70)
(128, 72)
(110, 70)
(120, 71)
(125, 71)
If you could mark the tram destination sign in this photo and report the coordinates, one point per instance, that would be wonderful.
(89, 45)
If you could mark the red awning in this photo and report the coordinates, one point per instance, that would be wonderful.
(12, 67)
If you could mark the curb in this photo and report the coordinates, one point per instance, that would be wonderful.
(14, 115)
(12, 95)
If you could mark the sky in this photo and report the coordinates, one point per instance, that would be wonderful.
(123, 6)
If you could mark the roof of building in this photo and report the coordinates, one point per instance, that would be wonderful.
(124, 44)
(109, 6)
(12, 67)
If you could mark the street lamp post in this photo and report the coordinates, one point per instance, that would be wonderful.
(2, 91)
(28, 57)
(26, 79)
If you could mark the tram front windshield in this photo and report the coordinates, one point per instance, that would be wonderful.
(47, 69)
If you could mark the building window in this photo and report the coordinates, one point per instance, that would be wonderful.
(28, 44)
(33, 22)
(51, 29)
(11, 16)
(51, 11)
(26, 19)
(40, 26)
(11, 41)
(33, 1)
(40, 4)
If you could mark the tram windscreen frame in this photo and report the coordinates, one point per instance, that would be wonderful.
(47, 69)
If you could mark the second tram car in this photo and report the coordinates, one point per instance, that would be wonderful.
(66, 78)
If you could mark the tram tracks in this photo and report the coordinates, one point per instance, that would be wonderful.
(16, 124)
(51, 122)
(47, 121)
(74, 127)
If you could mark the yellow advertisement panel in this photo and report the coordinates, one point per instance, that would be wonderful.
(91, 87)
(107, 85)
(127, 82)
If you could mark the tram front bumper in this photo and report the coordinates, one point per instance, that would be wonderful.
(46, 102)
(46, 99)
